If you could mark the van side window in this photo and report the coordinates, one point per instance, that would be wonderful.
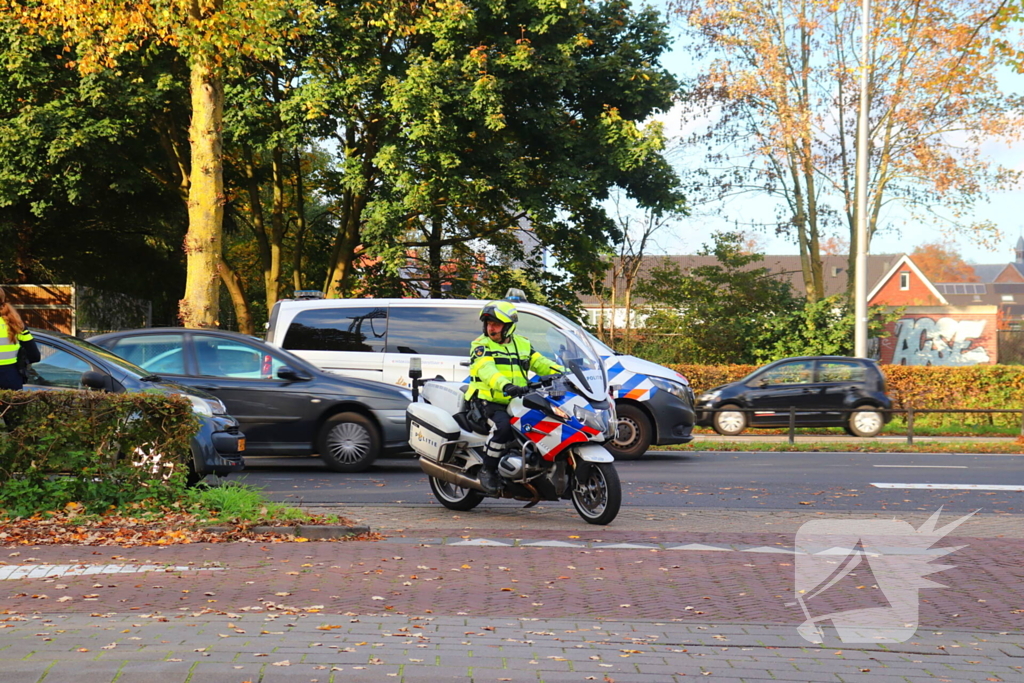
(436, 330)
(359, 328)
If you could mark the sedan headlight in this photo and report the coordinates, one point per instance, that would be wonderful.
(677, 389)
(709, 396)
(206, 406)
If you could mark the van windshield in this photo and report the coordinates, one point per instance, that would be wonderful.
(599, 345)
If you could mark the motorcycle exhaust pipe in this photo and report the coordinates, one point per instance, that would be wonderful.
(439, 471)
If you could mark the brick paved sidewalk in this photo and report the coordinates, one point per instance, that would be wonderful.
(653, 613)
(316, 649)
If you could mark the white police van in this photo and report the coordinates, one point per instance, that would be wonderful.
(375, 338)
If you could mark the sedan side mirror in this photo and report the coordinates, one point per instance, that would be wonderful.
(91, 379)
(291, 374)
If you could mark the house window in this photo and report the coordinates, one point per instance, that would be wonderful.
(904, 281)
(836, 270)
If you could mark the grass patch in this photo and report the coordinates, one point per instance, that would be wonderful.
(1005, 448)
(242, 504)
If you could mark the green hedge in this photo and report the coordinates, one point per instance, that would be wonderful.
(947, 388)
(94, 449)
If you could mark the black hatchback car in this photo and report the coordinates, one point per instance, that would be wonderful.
(285, 405)
(70, 363)
(825, 391)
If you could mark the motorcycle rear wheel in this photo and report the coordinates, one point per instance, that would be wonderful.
(455, 497)
(597, 500)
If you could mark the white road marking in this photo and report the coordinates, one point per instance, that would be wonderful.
(954, 487)
(39, 571)
(933, 467)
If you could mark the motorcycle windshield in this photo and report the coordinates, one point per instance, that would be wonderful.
(574, 352)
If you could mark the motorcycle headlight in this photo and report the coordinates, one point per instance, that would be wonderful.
(206, 406)
(677, 389)
(598, 421)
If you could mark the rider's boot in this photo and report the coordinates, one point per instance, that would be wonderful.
(489, 479)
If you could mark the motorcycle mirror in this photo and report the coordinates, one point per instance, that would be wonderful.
(557, 390)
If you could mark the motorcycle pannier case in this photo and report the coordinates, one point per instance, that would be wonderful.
(433, 433)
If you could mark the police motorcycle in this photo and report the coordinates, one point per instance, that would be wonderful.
(558, 429)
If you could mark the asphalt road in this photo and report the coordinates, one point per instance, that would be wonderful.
(754, 481)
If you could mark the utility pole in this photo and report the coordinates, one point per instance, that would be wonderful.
(860, 288)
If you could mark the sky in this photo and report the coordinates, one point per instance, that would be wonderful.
(1005, 209)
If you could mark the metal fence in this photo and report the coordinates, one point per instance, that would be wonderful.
(911, 413)
(1011, 347)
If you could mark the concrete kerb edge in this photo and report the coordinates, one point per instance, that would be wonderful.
(314, 532)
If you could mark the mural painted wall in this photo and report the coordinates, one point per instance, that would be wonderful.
(937, 339)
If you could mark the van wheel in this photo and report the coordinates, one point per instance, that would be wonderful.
(349, 442)
(729, 420)
(866, 421)
(632, 434)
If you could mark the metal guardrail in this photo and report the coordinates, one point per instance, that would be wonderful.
(909, 412)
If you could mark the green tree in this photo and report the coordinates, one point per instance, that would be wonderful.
(711, 314)
(818, 328)
(458, 122)
(87, 193)
(209, 35)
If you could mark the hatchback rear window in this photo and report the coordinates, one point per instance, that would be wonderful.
(360, 328)
(840, 371)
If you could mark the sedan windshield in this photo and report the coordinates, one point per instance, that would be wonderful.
(106, 355)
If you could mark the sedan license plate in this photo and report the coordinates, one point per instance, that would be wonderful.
(241, 444)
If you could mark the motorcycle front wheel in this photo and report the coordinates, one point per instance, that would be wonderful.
(455, 497)
(598, 499)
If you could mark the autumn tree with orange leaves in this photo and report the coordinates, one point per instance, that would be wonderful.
(941, 262)
(781, 88)
(210, 35)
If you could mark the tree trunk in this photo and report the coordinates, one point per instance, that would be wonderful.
(276, 228)
(343, 255)
(200, 306)
(300, 223)
(238, 299)
(434, 257)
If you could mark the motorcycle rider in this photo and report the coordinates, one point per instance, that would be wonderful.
(499, 363)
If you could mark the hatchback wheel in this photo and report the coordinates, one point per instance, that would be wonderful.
(866, 421)
(729, 420)
(349, 442)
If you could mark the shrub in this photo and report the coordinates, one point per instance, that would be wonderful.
(94, 449)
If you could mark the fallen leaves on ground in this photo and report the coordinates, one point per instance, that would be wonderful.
(174, 527)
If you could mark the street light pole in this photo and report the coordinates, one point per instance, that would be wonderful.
(860, 289)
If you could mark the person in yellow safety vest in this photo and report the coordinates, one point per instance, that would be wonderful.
(13, 336)
(500, 362)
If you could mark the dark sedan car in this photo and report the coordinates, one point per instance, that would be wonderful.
(825, 391)
(70, 363)
(285, 405)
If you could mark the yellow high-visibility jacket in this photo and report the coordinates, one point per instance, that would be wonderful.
(493, 365)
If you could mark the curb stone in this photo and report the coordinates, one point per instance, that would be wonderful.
(314, 532)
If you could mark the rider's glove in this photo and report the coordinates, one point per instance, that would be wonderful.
(513, 390)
